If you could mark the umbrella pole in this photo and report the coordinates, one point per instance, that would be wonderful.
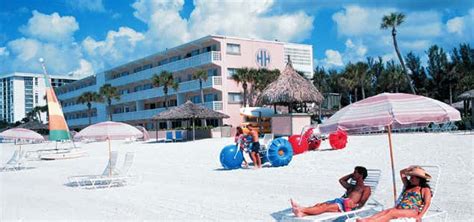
(110, 156)
(391, 161)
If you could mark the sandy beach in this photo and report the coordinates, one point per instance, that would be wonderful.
(185, 181)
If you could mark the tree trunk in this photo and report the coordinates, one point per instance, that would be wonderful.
(450, 94)
(110, 109)
(394, 33)
(363, 91)
(165, 90)
(202, 91)
(244, 85)
(355, 94)
(89, 106)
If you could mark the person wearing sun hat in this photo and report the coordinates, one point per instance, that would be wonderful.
(415, 199)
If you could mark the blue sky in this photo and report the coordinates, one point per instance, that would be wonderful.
(88, 36)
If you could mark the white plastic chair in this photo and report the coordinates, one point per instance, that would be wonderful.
(434, 210)
(267, 139)
(86, 180)
(12, 163)
(372, 180)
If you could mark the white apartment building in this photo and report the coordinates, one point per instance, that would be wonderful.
(21, 92)
(219, 55)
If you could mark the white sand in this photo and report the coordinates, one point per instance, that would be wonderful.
(184, 181)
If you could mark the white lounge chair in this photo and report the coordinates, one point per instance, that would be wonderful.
(434, 210)
(371, 206)
(16, 162)
(85, 180)
(119, 177)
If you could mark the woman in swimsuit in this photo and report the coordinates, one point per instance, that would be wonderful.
(415, 199)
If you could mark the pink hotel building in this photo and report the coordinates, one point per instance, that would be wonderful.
(220, 56)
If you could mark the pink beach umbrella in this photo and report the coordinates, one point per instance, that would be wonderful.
(390, 110)
(109, 131)
(21, 134)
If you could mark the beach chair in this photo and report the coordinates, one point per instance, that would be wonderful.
(12, 164)
(169, 136)
(86, 180)
(371, 206)
(121, 176)
(267, 139)
(130, 140)
(434, 210)
(178, 135)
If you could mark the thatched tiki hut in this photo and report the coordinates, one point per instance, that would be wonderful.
(290, 89)
(189, 111)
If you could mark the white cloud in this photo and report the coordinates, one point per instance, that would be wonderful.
(4, 51)
(118, 46)
(85, 69)
(25, 52)
(455, 25)
(333, 58)
(87, 5)
(236, 18)
(52, 27)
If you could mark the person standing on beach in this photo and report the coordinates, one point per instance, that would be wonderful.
(255, 148)
(355, 196)
(240, 143)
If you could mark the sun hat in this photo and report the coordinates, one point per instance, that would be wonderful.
(419, 172)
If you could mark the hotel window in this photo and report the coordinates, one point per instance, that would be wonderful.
(233, 49)
(235, 97)
(212, 72)
(196, 99)
(231, 72)
(162, 125)
(210, 97)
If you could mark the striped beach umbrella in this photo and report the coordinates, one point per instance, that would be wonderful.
(58, 129)
(390, 110)
(21, 134)
(109, 131)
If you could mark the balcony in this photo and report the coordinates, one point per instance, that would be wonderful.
(77, 93)
(179, 65)
(215, 105)
(81, 121)
(187, 86)
(77, 107)
(137, 115)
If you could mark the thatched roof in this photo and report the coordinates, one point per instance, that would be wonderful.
(467, 95)
(189, 110)
(33, 125)
(290, 87)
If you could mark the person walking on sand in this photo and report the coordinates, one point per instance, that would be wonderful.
(255, 148)
(415, 199)
(355, 197)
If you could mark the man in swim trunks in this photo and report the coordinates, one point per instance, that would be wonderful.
(255, 148)
(355, 197)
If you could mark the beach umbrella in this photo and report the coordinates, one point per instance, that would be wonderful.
(392, 111)
(21, 134)
(109, 131)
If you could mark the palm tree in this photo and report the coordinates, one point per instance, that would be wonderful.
(202, 76)
(108, 93)
(362, 76)
(166, 80)
(393, 21)
(244, 76)
(350, 79)
(88, 98)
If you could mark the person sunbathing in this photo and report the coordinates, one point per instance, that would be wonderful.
(355, 197)
(415, 199)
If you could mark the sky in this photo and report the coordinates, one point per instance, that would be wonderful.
(83, 37)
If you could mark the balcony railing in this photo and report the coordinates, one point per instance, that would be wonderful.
(190, 62)
(137, 115)
(81, 121)
(77, 93)
(187, 86)
(215, 105)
